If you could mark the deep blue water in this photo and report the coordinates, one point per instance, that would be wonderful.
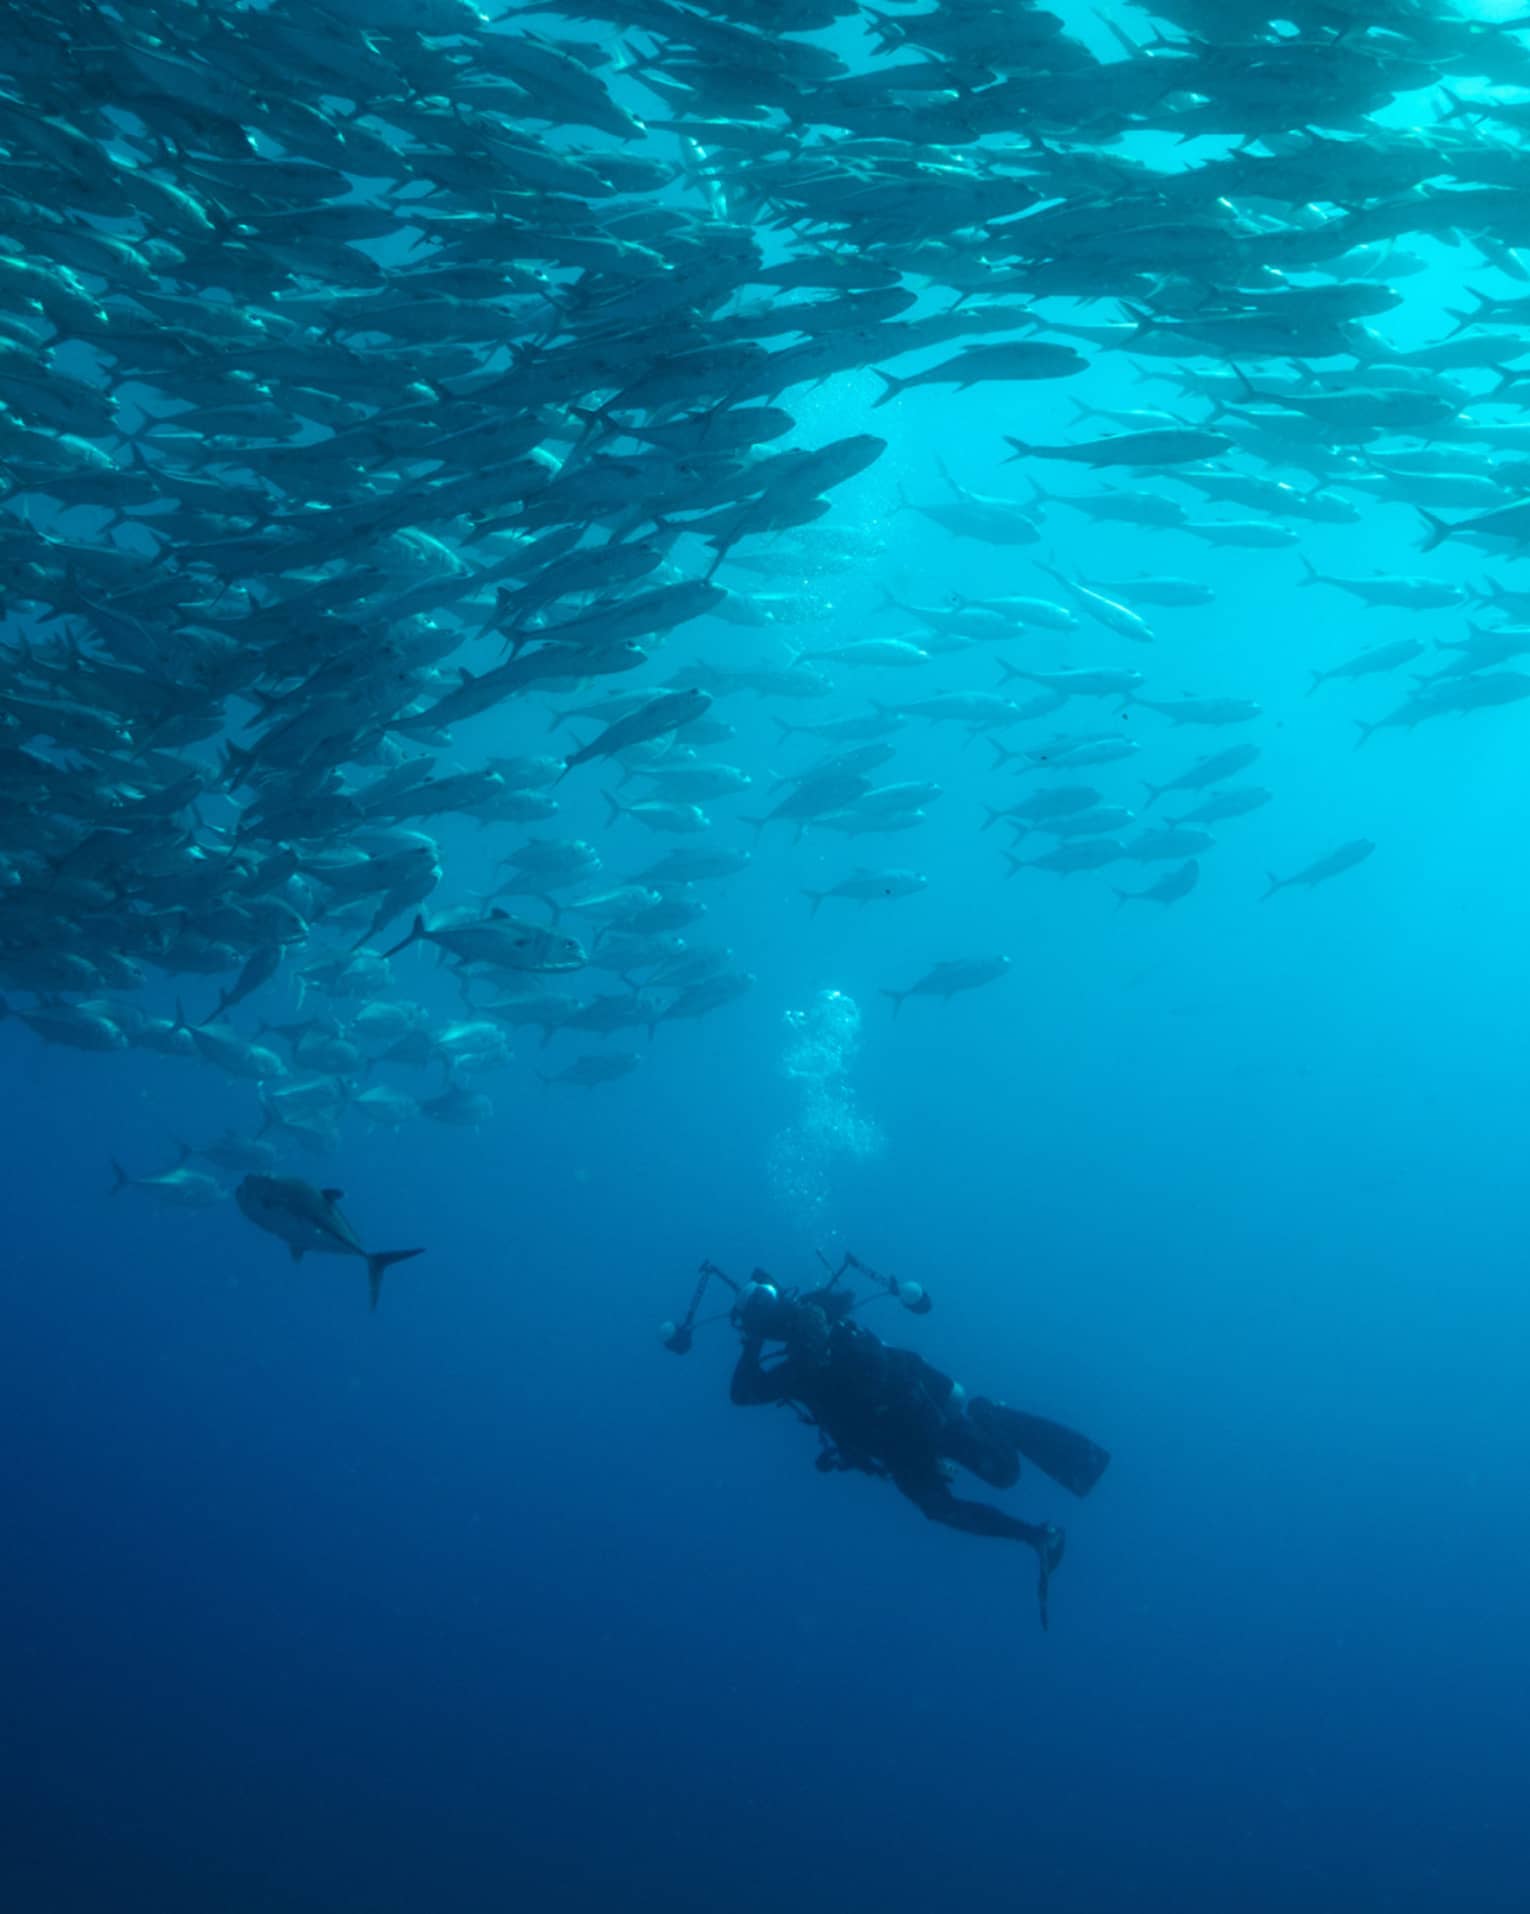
(484, 1600)
(485, 1596)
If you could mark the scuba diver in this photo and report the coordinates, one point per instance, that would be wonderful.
(886, 1411)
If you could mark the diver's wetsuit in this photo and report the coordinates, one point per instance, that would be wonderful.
(887, 1411)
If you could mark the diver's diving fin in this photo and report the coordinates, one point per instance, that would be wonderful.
(1070, 1459)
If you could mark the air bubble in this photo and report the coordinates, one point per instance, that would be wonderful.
(821, 1042)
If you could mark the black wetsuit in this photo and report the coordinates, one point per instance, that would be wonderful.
(889, 1412)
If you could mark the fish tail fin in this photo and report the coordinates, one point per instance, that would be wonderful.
(180, 1016)
(897, 999)
(1121, 37)
(1314, 576)
(815, 898)
(945, 473)
(1022, 449)
(236, 764)
(1122, 897)
(787, 729)
(1015, 863)
(213, 1015)
(894, 387)
(543, 1078)
(1008, 672)
(1365, 731)
(1318, 679)
(1154, 793)
(1275, 883)
(120, 1177)
(992, 818)
(1438, 529)
(1458, 107)
(416, 932)
(380, 1262)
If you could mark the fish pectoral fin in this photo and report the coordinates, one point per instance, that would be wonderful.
(332, 1196)
(294, 1252)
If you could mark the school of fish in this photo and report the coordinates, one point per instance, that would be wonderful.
(379, 378)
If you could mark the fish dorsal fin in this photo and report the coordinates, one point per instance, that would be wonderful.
(497, 912)
(332, 1196)
(465, 675)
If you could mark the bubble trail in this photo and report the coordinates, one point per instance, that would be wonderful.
(828, 1128)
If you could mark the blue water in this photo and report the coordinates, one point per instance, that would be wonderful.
(485, 1600)
(486, 1597)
